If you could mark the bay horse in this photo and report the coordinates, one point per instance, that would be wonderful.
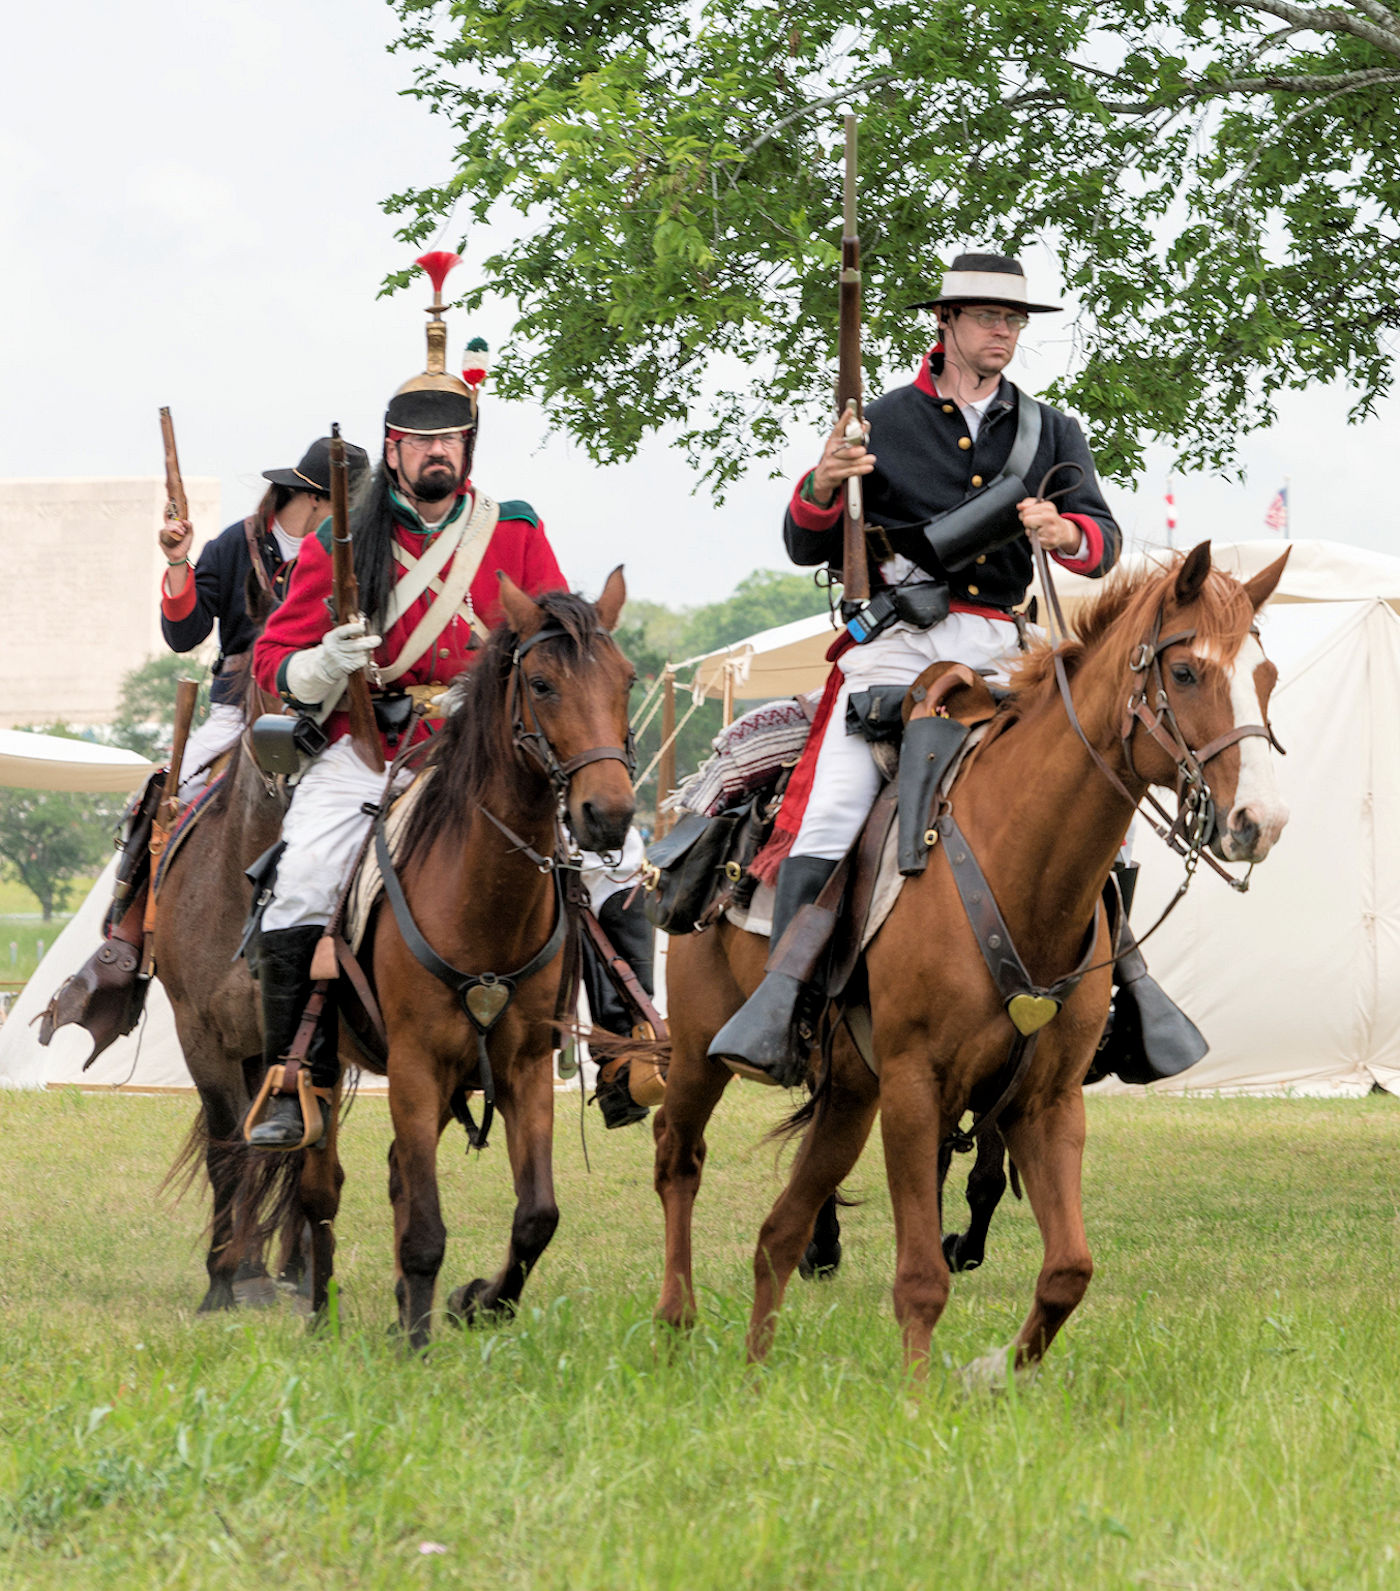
(1045, 823)
(540, 725)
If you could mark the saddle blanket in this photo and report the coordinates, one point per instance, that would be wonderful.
(749, 753)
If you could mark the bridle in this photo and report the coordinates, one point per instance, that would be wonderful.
(532, 739)
(1148, 706)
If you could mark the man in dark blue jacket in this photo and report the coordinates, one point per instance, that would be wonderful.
(242, 576)
(929, 448)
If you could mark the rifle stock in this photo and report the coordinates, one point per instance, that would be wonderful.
(177, 503)
(855, 570)
(364, 733)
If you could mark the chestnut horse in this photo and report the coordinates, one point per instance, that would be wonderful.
(1045, 824)
(541, 723)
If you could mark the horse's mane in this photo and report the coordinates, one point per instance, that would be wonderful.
(475, 739)
(1120, 616)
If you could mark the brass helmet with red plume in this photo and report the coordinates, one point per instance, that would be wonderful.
(436, 402)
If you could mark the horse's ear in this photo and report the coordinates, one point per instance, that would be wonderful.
(523, 615)
(1191, 577)
(610, 603)
(1261, 587)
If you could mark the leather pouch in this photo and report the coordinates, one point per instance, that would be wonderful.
(876, 714)
(280, 742)
(921, 605)
(979, 524)
(691, 867)
(393, 715)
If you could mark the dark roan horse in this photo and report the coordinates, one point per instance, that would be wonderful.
(541, 722)
(1045, 823)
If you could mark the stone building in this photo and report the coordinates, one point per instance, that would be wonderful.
(79, 602)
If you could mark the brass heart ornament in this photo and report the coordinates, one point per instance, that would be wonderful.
(1030, 1012)
(486, 1001)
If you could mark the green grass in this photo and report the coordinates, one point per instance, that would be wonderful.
(1223, 1411)
(26, 934)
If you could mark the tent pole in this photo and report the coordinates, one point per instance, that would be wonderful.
(727, 706)
(666, 768)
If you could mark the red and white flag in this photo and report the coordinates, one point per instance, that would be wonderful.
(1276, 516)
(1171, 515)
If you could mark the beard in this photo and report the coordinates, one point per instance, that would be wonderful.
(435, 480)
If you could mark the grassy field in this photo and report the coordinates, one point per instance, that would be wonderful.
(22, 927)
(1223, 1412)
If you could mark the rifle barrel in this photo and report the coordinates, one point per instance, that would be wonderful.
(363, 730)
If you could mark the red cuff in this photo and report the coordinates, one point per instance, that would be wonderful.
(807, 516)
(177, 608)
(1091, 551)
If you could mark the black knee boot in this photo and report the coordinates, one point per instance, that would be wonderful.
(762, 1039)
(284, 979)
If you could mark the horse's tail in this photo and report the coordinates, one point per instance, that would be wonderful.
(268, 1200)
(189, 1159)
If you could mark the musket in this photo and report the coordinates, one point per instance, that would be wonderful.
(177, 504)
(855, 570)
(364, 733)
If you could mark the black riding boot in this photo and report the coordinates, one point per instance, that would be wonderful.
(1148, 1036)
(763, 1039)
(634, 938)
(284, 979)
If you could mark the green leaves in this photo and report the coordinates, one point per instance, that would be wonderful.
(1209, 182)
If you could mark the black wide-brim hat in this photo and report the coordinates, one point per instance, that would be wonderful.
(313, 474)
(986, 279)
(445, 406)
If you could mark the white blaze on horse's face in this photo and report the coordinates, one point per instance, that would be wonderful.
(1258, 815)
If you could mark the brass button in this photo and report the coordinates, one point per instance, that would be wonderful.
(974, 591)
(442, 651)
(976, 480)
(947, 408)
(981, 557)
(964, 442)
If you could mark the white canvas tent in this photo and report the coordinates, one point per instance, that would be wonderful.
(1296, 984)
(31, 761)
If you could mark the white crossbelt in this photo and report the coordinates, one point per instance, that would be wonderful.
(466, 547)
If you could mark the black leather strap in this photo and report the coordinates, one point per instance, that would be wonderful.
(464, 984)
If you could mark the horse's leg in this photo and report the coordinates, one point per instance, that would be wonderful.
(986, 1184)
(420, 1238)
(319, 1192)
(912, 1125)
(527, 1109)
(830, 1148)
(694, 1084)
(822, 1255)
(222, 1162)
(707, 976)
(1047, 1144)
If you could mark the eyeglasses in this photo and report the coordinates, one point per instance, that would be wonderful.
(421, 443)
(987, 318)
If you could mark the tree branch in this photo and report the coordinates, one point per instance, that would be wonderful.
(1329, 84)
(813, 106)
(1385, 38)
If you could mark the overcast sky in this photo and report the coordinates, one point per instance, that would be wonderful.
(191, 197)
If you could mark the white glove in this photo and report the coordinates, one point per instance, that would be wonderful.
(319, 673)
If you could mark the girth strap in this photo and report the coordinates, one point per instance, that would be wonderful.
(484, 996)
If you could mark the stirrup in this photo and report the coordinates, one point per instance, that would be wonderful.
(310, 1099)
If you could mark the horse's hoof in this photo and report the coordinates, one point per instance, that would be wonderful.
(958, 1256)
(462, 1306)
(216, 1300)
(818, 1264)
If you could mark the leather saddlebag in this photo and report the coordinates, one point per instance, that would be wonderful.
(691, 863)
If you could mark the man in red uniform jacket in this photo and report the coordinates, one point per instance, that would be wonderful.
(427, 548)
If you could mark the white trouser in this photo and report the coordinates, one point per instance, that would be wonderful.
(847, 781)
(323, 829)
(603, 878)
(216, 734)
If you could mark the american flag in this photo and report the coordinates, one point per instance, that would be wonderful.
(1171, 515)
(1276, 516)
